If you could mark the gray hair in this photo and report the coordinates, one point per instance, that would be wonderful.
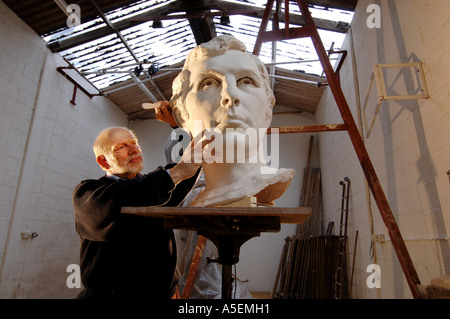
(102, 144)
(182, 85)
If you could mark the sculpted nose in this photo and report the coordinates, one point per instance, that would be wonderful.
(230, 96)
(230, 102)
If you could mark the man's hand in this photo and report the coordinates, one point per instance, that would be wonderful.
(164, 114)
(193, 157)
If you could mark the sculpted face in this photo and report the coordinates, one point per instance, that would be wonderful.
(227, 91)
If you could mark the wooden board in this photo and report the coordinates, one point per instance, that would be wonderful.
(288, 215)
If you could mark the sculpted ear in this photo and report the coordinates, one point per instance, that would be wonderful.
(103, 162)
(177, 116)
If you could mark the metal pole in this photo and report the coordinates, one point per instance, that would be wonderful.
(227, 281)
(127, 46)
(143, 87)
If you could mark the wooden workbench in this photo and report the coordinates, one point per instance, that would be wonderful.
(287, 215)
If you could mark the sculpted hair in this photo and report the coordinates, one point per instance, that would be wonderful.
(182, 85)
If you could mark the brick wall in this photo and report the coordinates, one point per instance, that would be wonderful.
(45, 150)
(409, 145)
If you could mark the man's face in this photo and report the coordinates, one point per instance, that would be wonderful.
(227, 92)
(125, 159)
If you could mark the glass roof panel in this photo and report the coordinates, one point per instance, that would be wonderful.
(106, 60)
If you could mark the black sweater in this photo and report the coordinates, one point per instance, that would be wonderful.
(123, 255)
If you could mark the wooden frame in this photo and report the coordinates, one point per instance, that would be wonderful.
(378, 76)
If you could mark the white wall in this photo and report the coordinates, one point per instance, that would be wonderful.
(409, 145)
(152, 136)
(45, 150)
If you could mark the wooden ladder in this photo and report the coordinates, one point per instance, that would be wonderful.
(309, 29)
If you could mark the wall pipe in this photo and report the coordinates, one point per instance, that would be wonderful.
(76, 84)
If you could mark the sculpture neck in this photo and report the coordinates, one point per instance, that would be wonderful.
(219, 175)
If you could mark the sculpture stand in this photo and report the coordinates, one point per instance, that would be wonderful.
(228, 233)
(227, 227)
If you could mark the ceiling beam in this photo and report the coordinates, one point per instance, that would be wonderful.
(348, 5)
(202, 28)
(61, 45)
(110, 25)
(294, 18)
(250, 10)
(130, 50)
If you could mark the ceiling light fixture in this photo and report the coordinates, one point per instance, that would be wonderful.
(153, 69)
(157, 24)
(138, 70)
(224, 18)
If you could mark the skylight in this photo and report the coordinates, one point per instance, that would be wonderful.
(106, 61)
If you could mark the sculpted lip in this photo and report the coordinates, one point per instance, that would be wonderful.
(233, 122)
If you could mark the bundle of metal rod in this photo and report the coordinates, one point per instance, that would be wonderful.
(311, 197)
(307, 268)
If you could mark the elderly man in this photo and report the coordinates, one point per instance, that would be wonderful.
(225, 90)
(125, 256)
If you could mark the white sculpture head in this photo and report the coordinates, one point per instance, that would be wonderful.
(222, 84)
(226, 89)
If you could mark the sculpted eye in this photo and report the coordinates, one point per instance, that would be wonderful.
(246, 81)
(208, 82)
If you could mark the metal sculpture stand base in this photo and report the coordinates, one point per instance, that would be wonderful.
(228, 233)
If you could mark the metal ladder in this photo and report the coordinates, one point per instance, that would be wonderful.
(342, 243)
